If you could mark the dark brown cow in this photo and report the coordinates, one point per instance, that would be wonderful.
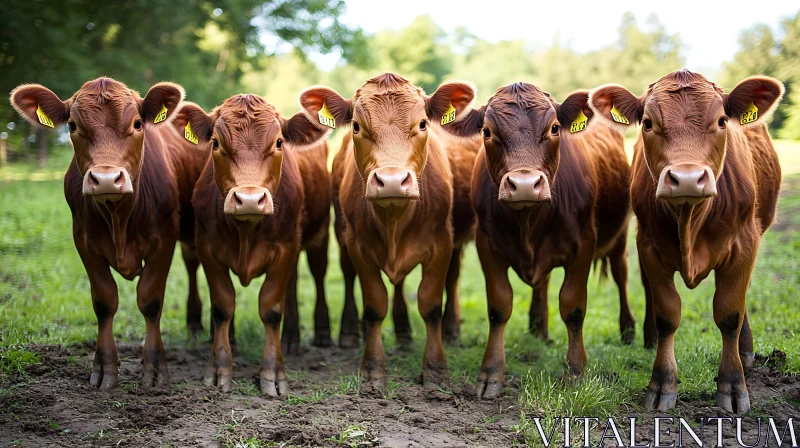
(548, 191)
(249, 203)
(129, 189)
(704, 188)
(395, 196)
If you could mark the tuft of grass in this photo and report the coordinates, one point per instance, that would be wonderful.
(316, 396)
(352, 436)
(15, 359)
(247, 387)
(348, 384)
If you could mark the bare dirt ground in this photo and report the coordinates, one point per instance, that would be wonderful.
(59, 408)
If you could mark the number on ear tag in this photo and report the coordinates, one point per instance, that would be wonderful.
(326, 117)
(43, 118)
(617, 116)
(162, 115)
(188, 134)
(750, 115)
(579, 124)
(449, 115)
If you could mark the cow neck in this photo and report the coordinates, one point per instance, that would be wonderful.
(690, 220)
(245, 231)
(391, 223)
(531, 222)
(117, 215)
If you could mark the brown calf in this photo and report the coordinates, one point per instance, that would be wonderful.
(129, 189)
(704, 188)
(249, 203)
(395, 197)
(548, 192)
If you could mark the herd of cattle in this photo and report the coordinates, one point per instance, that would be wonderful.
(538, 184)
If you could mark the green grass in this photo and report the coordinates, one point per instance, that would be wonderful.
(45, 299)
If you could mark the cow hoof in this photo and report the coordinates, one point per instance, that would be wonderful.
(738, 403)
(104, 380)
(322, 340)
(348, 341)
(219, 378)
(748, 359)
(404, 340)
(451, 334)
(660, 401)
(195, 328)
(274, 389)
(489, 390)
(290, 345)
(373, 386)
(628, 334)
(151, 378)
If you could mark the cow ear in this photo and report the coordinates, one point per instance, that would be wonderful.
(326, 108)
(574, 113)
(616, 106)
(300, 131)
(193, 122)
(469, 125)
(161, 102)
(449, 102)
(753, 99)
(39, 105)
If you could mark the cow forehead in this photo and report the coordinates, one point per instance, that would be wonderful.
(684, 101)
(105, 102)
(388, 99)
(247, 119)
(520, 107)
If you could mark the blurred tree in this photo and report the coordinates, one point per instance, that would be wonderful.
(788, 70)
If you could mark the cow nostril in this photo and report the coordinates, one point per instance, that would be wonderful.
(237, 199)
(539, 183)
(93, 180)
(120, 179)
(512, 186)
(262, 201)
(407, 181)
(378, 181)
(672, 179)
(703, 179)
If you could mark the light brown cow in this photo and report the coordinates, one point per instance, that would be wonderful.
(704, 188)
(129, 189)
(549, 190)
(249, 203)
(396, 200)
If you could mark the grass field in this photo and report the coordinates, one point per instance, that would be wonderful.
(45, 300)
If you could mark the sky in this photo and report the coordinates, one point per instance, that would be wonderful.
(709, 29)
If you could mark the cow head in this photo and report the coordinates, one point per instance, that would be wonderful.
(107, 122)
(390, 120)
(522, 131)
(248, 138)
(685, 126)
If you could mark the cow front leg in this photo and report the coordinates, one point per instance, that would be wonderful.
(271, 300)
(376, 304)
(499, 296)
(572, 306)
(150, 298)
(431, 289)
(219, 371)
(104, 301)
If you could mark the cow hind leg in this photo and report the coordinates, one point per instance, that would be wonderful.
(349, 328)
(451, 322)
(194, 306)
(290, 334)
(539, 314)
(318, 263)
(649, 324)
(402, 326)
(618, 259)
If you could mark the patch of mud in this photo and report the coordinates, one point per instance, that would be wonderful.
(57, 407)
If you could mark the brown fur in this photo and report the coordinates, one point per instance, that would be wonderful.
(395, 239)
(249, 151)
(720, 233)
(137, 234)
(585, 220)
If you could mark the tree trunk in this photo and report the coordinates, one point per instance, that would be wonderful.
(41, 142)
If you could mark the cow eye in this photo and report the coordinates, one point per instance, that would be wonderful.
(214, 144)
(73, 127)
(648, 124)
(356, 128)
(554, 129)
(722, 122)
(487, 134)
(423, 125)
(137, 125)
(279, 143)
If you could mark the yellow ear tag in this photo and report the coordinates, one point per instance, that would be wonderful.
(579, 124)
(162, 115)
(326, 117)
(43, 118)
(617, 116)
(449, 115)
(750, 115)
(188, 134)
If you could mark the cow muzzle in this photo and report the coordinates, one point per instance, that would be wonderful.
(248, 203)
(392, 186)
(686, 183)
(107, 183)
(524, 188)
